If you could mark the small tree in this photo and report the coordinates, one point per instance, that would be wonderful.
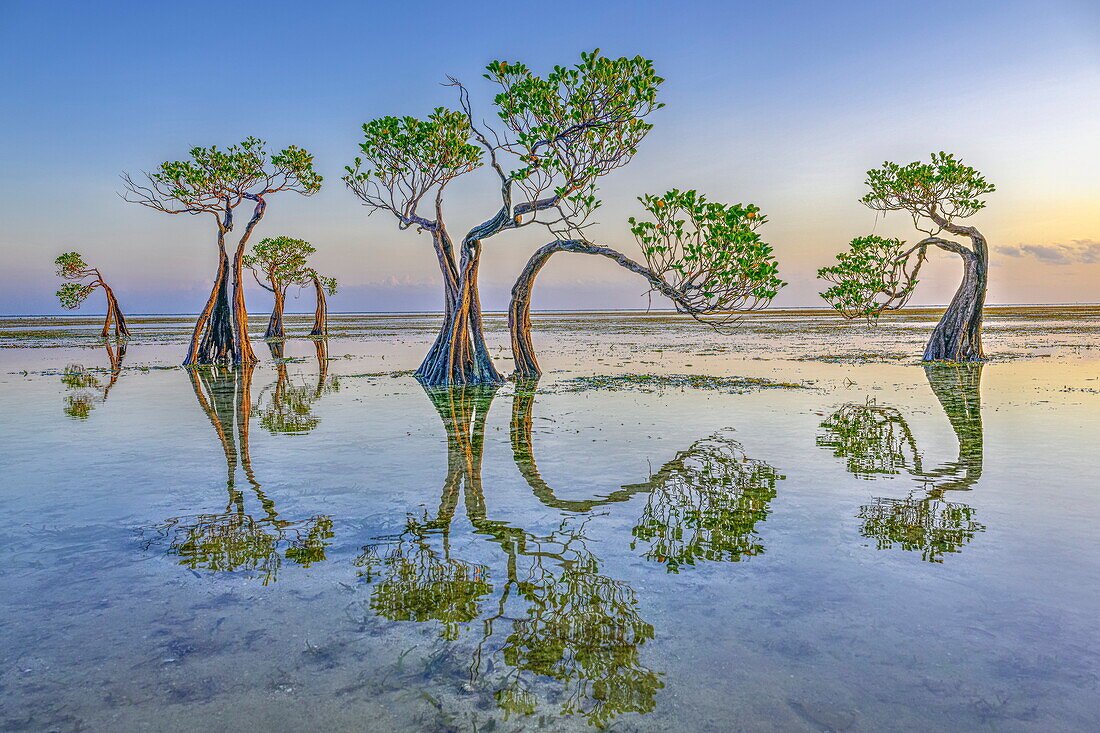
(559, 134)
(322, 286)
(83, 281)
(215, 182)
(877, 274)
(282, 261)
(706, 257)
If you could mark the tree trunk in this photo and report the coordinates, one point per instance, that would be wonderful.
(243, 351)
(958, 335)
(459, 355)
(275, 325)
(519, 316)
(519, 309)
(114, 313)
(320, 317)
(110, 316)
(212, 339)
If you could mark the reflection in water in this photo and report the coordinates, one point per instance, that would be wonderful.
(289, 406)
(235, 540)
(560, 629)
(85, 389)
(705, 504)
(876, 440)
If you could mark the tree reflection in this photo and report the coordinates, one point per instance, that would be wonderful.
(239, 539)
(876, 440)
(558, 619)
(85, 389)
(288, 407)
(705, 504)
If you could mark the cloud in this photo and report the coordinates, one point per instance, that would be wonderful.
(1081, 251)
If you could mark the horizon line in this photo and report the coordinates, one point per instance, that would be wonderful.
(668, 311)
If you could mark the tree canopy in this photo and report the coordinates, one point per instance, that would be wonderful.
(709, 252)
(215, 179)
(877, 273)
(284, 261)
(71, 266)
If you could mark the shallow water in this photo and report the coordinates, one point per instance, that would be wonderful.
(837, 539)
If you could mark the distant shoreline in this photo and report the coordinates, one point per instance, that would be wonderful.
(650, 311)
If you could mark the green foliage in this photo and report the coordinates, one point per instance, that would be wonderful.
(929, 526)
(934, 193)
(878, 274)
(704, 505)
(576, 118)
(575, 124)
(73, 295)
(709, 251)
(213, 179)
(327, 284)
(417, 583)
(71, 266)
(282, 260)
(581, 628)
(870, 277)
(407, 157)
(874, 439)
(79, 403)
(235, 542)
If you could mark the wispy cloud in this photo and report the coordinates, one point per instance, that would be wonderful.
(1080, 251)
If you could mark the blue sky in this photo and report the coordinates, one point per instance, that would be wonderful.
(784, 104)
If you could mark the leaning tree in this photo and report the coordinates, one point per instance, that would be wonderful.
(877, 274)
(215, 181)
(556, 135)
(322, 286)
(282, 262)
(83, 281)
(706, 257)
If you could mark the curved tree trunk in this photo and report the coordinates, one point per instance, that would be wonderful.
(519, 309)
(113, 309)
(519, 433)
(275, 324)
(320, 316)
(459, 355)
(110, 314)
(958, 335)
(243, 351)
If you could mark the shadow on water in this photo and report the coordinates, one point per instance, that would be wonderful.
(85, 389)
(875, 440)
(253, 541)
(555, 627)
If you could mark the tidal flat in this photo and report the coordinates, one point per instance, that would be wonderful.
(788, 525)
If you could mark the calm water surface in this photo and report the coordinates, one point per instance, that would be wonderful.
(828, 537)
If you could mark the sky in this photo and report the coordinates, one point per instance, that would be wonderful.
(782, 104)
